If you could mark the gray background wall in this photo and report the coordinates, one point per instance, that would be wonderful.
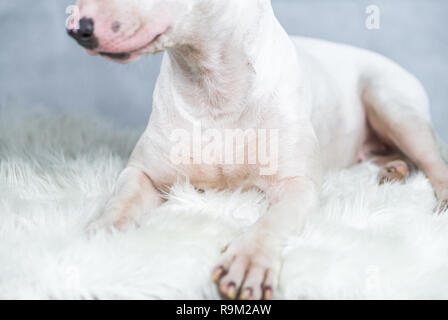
(39, 64)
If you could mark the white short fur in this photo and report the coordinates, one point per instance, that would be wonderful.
(229, 64)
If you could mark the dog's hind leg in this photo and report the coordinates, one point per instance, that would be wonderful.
(398, 111)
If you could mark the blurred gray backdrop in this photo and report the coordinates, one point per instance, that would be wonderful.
(39, 64)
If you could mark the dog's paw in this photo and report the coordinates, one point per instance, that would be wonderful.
(109, 225)
(395, 171)
(248, 271)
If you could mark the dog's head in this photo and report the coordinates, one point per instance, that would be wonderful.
(125, 30)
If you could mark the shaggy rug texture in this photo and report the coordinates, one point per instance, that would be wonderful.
(57, 171)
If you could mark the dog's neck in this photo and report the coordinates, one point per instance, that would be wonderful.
(217, 68)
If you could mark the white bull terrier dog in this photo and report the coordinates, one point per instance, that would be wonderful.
(229, 65)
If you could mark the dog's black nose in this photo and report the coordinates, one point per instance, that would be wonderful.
(85, 34)
(85, 28)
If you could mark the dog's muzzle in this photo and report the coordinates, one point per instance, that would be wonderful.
(85, 34)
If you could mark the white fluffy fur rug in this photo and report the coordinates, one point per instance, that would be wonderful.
(56, 172)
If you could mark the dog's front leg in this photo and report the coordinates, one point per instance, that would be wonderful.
(134, 195)
(251, 264)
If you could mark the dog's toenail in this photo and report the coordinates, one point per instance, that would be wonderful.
(224, 249)
(443, 207)
(230, 291)
(268, 293)
(217, 274)
(247, 294)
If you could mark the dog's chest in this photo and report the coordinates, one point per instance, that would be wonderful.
(219, 176)
(207, 176)
(210, 158)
